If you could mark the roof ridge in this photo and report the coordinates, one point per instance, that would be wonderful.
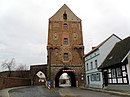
(96, 47)
(118, 53)
(61, 8)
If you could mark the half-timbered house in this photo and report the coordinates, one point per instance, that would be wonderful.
(116, 66)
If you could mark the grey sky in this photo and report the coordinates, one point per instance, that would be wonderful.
(24, 25)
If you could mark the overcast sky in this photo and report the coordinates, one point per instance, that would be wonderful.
(24, 25)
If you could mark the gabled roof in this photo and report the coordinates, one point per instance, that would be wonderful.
(97, 47)
(118, 53)
(58, 16)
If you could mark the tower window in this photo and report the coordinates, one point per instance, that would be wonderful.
(65, 26)
(65, 41)
(66, 58)
(65, 15)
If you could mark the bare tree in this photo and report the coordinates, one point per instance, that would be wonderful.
(9, 65)
(22, 70)
(22, 67)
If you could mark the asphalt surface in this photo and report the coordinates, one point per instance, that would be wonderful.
(35, 91)
(77, 92)
(38, 91)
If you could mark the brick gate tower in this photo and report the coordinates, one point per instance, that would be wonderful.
(65, 47)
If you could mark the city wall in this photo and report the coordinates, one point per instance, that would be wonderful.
(8, 82)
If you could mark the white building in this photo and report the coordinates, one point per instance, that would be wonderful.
(94, 59)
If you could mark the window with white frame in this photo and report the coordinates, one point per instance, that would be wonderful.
(98, 77)
(113, 73)
(95, 77)
(119, 73)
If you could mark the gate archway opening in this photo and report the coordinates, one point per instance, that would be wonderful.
(39, 78)
(64, 80)
(71, 77)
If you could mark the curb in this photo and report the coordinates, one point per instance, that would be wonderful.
(4, 92)
(107, 91)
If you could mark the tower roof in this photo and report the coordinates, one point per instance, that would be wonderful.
(58, 16)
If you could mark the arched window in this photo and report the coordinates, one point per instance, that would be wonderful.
(66, 57)
(65, 41)
(65, 26)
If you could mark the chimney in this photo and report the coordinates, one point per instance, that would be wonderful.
(93, 48)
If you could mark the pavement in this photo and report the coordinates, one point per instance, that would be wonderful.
(4, 92)
(117, 92)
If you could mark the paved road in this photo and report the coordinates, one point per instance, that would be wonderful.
(35, 91)
(76, 92)
(57, 92)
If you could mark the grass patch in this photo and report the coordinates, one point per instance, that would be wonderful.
(54, 89)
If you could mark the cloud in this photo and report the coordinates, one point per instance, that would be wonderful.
(24, 25)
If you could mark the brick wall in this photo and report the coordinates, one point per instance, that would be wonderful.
(8, 82)
(1, 82)
(21, 74)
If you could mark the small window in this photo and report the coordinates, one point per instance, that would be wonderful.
(113, 73)
(65, 41)
(93, 77)
(87, 67)
(65, 15)
(91, 65)
(98, 77)
(65, 26)
(96, 64)
(119, 73)
(66, 58)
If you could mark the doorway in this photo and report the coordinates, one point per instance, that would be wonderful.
(88, 79)
(64, 80)
(105, 78)
(70, 81)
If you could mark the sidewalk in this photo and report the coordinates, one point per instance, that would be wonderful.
(123, 93)
(4, 92)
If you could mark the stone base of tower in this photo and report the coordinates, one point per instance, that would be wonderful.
(76, 74)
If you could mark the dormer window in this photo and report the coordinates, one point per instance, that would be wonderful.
(65, 15)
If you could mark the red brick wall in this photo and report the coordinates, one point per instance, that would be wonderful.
(1, 82)
(8, 82)
(20, 74)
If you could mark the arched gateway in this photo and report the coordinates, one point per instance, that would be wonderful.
(70, 72)
(65, 47)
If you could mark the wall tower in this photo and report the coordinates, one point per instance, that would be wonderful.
(65, 47)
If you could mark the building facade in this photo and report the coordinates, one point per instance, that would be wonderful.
(116, 66)
(95, 58)
(65, 47)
